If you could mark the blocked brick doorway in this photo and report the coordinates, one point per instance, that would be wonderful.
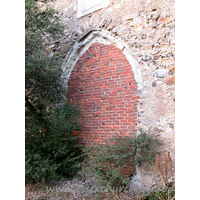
(103, 84)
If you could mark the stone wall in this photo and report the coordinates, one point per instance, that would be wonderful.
(146, 30)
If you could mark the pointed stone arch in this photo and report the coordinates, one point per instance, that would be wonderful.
(110, 108)
(97, 35)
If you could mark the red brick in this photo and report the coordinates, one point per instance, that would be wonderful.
(104, 87)
(164, 19)
(170, 80)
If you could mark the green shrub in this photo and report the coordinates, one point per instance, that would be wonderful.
(52, 154)
(107, 161)
(51, 151)
(146, 146)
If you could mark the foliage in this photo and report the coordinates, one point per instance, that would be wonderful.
(55, 154)
(52, 152)
(43, 84)
(146, 147)
(108, 161)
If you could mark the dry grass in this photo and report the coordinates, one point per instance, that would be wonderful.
(163, 165)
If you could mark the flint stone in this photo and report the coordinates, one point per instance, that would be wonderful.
(154, 84)
(144, 36)
(169, 130)
(146, 67)
(161, 73)
(147, 58)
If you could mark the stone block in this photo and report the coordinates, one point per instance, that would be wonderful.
(130, 16)
(137, 20)
(116, 29)
(122, 30)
